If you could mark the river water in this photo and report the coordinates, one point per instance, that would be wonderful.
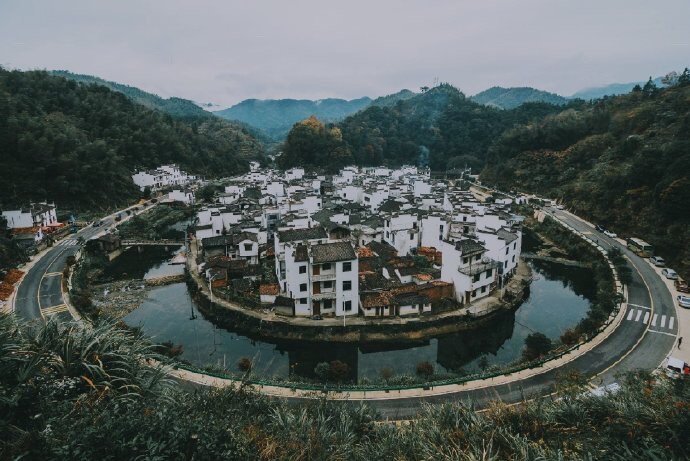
(559, 297)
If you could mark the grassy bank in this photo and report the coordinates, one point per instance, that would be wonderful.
(74, 394)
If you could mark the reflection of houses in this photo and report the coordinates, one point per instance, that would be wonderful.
(457, 350)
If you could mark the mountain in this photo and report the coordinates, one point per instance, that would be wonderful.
(77, 144)
(623, 161)
(276, 116)
(612, 89)
(439, 127)
(510, 98)
(177, 107)
(392, 99)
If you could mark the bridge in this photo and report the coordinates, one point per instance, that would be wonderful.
(145, 242)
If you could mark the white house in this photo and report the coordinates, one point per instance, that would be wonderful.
(464, 265)
(35, 215)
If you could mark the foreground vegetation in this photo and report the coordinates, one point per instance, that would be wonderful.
(68, 393)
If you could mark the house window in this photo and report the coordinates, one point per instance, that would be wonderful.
(513, 258)
(488, 273)
(302, 287)
(302, 269)
(247, 247)
(484, 289)
(328, 284)
(507, 250)
(347, 285)
(514, 245)
(303, 300)
(465, 260)
(327, 303)
(347, 306)
(326, 266)
(440, 228)
(477, 258)
(476, 277)
(464, 218)
(347, 267)
(411, 236)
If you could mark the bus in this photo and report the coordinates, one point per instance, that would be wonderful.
(640, 247)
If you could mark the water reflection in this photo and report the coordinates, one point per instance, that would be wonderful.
(559, 298)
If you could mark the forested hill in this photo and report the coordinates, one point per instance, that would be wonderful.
(623, 161)
(440, 127)
(275, 117)
(510, 98)
(78, 144)
(177, 107)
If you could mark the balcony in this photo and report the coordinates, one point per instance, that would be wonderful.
(323, 277)
(320, 296)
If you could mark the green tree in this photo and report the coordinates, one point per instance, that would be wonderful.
(536, 345)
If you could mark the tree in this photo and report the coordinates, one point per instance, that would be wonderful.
(536, 345)
(684, 78)
(146, 193)
(338, 371)
(650, 87)
(244, 364)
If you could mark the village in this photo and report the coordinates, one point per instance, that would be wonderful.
(370, 242)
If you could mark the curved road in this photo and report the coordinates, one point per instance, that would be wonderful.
(39, 294)
(642, 340)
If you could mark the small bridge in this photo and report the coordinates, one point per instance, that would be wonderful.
(150, 243)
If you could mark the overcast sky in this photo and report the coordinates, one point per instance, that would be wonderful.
(226, 51)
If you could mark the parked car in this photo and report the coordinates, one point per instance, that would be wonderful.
(684, 301)
(611, 234)
(669, 273)
(658, 261)
(600, 228)
(675, 367)
(682, 285)
(316, 317)
(560, 207)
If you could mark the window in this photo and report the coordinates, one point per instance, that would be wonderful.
(476, 277)
(513, 258)
(514, 245)
(411, 236)
(440, 228)
(464, 218)
(477, 258)
(347, 267)
(465, 260)
(327, 303)
(302, 287)
(347, 285)
(484, 289)
(303, 300)
(326, 266)
(489, 272)
(507, 250)
(328, 284)
(347, 306)
(303, 269)
(248, 247)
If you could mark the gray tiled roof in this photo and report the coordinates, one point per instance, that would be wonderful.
(294, 235)
(331, 252)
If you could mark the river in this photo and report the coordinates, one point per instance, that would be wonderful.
(559, 297)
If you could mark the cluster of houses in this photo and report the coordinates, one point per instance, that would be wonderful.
(31, 224)
(375, 242)
(168, 178)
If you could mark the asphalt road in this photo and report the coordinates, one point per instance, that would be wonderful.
(642, 341)
(39, 295)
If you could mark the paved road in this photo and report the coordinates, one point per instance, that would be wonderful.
(39, 295)
(642, 341)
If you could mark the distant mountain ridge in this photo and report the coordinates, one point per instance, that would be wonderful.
(510, 98)
(177, 107)
(275, 117)
(613, 89)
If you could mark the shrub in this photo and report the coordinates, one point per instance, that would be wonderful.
(570, 337)
(244, 364)
(322, 370)
(339, 371)
(536, 345)
(425, 369)
(387, 373)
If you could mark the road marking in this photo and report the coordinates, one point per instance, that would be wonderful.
(646, 317)
(631, 313)
(52, 274)
(639, 313)
(662, 332)
(654, 319)
(670, 322)
(663, 321)
(637, 305)
(54, 309)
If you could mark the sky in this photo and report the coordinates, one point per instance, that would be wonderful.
(226, 51)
